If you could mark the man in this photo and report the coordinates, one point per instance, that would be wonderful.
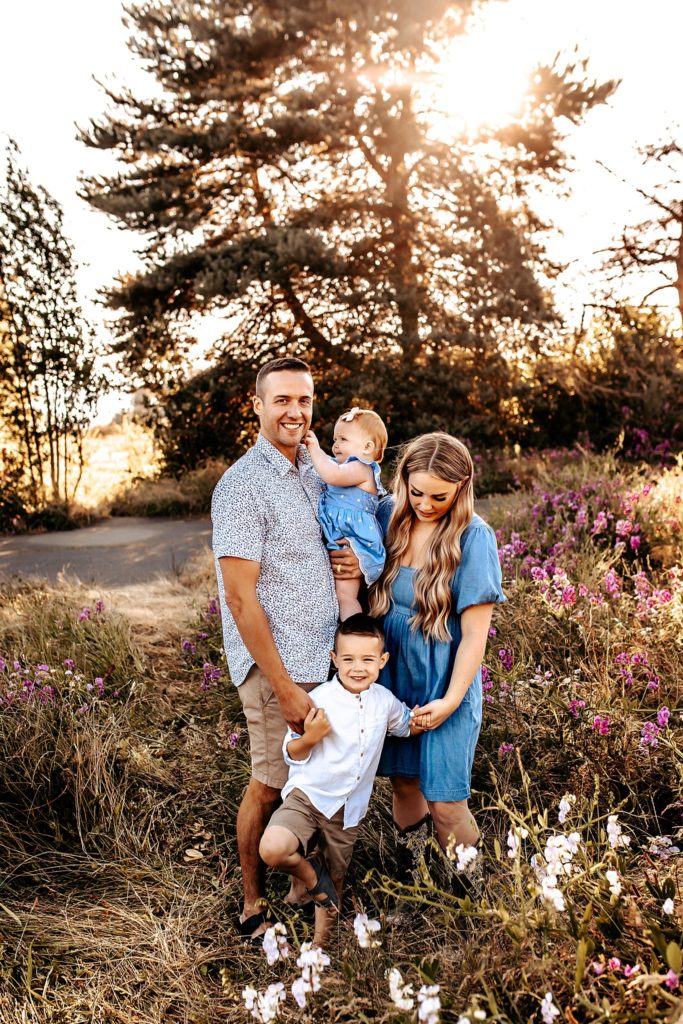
(277, 596)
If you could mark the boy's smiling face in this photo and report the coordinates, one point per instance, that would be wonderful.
(358, 660)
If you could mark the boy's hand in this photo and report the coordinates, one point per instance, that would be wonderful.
(316, 725)
(415, 729)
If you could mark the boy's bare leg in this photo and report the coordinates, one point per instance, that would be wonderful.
(326, 917)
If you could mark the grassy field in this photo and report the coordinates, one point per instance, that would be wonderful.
(125, 758)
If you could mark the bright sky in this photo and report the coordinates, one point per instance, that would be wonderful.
(53, 50)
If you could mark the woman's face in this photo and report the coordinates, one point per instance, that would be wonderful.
(430, 496)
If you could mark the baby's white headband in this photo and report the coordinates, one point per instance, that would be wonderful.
(348, 416)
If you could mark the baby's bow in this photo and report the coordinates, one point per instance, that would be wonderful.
(348, 416)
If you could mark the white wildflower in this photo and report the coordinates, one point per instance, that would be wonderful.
(515, 836)
(300, 988)
(548, 1009)
(429, 1004)
(614, 833)
(464, 856)
(364, 927)
(663, 847)
(264, 1006)
(479, 1014)
(614, 882)
(401, 993)
(312, 962)
(668, 906)
(275, 943)
(551, 894)
(566, 804)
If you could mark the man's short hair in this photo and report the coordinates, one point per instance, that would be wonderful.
(277, 366)
(360, 624)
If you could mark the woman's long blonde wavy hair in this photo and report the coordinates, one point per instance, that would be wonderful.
(448, 459)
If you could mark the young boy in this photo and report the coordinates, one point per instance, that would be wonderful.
(332, 767)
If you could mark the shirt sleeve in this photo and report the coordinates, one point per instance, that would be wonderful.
(478, 578)
(399, 718)
(239, 527)
(289, 736)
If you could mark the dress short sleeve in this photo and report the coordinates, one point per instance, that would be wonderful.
(384, 510)
(478, 578)
(239, 527)
(376, 473)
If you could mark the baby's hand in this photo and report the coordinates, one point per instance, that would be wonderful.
(316, 725)
(310, 440)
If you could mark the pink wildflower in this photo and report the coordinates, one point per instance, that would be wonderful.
(84, 615)
(614, 963)
(601, 724)
(663, 716)
(671, 980)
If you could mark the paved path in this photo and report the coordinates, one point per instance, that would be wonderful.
(114, 553)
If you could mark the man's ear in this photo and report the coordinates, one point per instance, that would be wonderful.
(257, 404)
(384, 659)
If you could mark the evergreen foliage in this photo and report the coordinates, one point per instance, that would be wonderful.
(293, 174)
(48, 383)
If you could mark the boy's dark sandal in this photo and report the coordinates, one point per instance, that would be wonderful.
(324, 886)
(248, 927)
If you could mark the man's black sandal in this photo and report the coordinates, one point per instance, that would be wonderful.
(248, 927)
(324, 886)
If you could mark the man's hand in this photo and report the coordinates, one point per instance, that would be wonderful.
(344, 562)
(295, 706)
(316, 725)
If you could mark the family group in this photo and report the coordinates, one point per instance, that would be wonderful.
(320, 570)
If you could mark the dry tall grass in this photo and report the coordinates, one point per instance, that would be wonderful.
(105, 917)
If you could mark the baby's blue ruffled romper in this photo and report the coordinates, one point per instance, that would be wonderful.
(352, 513)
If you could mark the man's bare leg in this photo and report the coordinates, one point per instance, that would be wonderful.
(258, 803)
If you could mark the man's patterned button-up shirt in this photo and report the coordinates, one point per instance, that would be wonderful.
(265, 509)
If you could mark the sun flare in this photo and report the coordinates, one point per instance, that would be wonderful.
(483, 75)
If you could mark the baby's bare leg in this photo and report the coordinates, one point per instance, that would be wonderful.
(347, 596)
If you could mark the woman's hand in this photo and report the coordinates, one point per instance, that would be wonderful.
(433, 714)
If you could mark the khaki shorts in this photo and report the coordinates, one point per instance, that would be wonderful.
(266, 728)
(298, 815)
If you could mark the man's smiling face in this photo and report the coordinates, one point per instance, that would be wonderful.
(284, 409)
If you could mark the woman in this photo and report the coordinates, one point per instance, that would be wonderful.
(441, 580)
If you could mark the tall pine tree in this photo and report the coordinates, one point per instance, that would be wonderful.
(292, 175)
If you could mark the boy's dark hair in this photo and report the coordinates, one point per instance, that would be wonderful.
(276, 366)
(360, 625)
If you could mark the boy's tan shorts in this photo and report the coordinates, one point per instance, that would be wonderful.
(266, 728)
(298, 815)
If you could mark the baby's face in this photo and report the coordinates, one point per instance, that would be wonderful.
(350, 439)
(358, 660)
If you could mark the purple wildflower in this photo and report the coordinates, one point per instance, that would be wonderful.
(99, 606)
(505, 658)
(188, 647)
(233, 739)
(213, 608)
(505, 748)
(69, 664)
(576, 707)
(671, 980)
(601, 724)
(85, 614)
(663, 716)
(649, 735)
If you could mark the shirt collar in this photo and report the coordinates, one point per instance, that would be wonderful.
(279, 461)
(347, 693)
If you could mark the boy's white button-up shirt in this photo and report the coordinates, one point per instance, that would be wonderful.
(340, 770)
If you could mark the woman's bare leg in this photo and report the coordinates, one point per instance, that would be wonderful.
(409, 806)
(454, 818)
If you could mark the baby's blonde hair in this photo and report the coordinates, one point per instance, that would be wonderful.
(372, 426)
